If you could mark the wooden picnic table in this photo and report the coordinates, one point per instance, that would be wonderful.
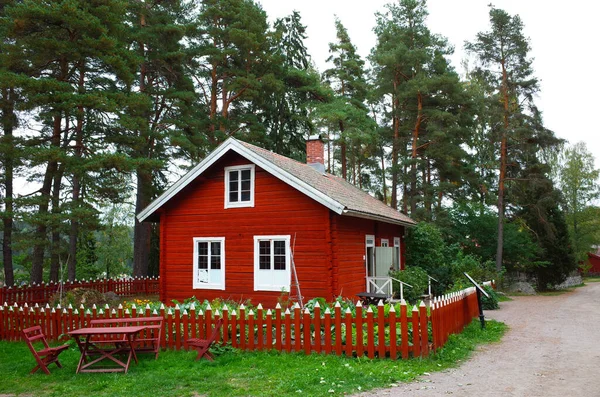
(372, 297)
(105, 343)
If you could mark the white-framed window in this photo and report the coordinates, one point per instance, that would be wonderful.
(239, 186)
(397, 253)
(385, 242)
(272, 263)
(209, 263)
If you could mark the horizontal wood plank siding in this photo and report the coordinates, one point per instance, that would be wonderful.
(279, 209)
(349, 250)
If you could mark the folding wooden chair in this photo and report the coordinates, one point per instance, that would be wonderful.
(45, 356)
(202, 345)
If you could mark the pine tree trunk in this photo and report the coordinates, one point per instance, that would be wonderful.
(383, 183)
(503, 158)
(74, 232)
(413, 167)
(55, 246)
(395, 146)
(39, 248)
(343, 152)
(8, 120)
(141, 233)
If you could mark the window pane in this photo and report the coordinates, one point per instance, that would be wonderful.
(264, 247)
(279, 247)
(233, 197)
(245, 175)
(202, 262)
(245, 185)
(202, 248)
(264, 262)
(233, 176)
(279, 262)
(245, 196)
(215, 255)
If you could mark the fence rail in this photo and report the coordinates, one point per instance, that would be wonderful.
(371, 333)
(42, 293)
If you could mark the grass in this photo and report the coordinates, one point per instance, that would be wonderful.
(233, 373)
(593, 279)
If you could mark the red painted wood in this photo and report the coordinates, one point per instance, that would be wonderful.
(359, 331)
(380, 331)
(251, 331)
(370, 336)
(297, 329)
(416, 347)
(317, 328)
(338, 330)
(424, 333)
(327, 321)
(307, 344)
(404, 330)
(348, 323)
(393, 335)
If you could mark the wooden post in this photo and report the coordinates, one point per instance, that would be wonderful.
(348, 333)
(393, 333)
(358, 320)
(380, 330)
(424, 330)
(404, 329)
(327, 331)
(338, 329)
(307, 342)
(317, 327)
(370, 334)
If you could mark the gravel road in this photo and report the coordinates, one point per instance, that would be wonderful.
(551, 349)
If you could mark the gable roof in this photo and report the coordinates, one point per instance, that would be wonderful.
(329, 190)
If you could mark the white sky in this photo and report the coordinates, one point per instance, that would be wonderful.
(563, 37)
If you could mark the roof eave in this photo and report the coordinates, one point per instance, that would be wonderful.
(374, 217)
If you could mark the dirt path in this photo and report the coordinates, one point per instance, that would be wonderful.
(551, 349)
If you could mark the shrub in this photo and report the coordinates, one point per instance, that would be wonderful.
(490, 303)
(415, 276)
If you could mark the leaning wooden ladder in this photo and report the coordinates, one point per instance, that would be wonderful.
(295, 282)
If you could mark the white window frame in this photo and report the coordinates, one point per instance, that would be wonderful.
(197, 284)
(385, 242)
(260, 274)
(239, 204)
(397, 246)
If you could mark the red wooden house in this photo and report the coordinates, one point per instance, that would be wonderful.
(247, 223)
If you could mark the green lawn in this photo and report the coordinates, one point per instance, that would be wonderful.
(233, 373)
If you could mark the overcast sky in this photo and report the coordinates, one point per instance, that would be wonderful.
(563, 36)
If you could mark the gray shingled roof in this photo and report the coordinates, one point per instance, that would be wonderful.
(357, 202)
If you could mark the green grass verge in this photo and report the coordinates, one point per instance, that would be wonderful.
(233, 373)
(594, 279)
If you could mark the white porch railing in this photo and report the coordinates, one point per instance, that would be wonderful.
(384, 286)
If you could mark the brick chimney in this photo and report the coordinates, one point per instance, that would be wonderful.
(315, 149)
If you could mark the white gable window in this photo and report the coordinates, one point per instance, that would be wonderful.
(209, 263)
(239, 186)
(272, 263)
(397, 253)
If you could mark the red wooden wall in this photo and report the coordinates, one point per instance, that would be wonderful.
(595, 262)
(329, 249)
(278, 210)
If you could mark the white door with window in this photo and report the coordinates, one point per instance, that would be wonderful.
(209, 263)
(272, 263)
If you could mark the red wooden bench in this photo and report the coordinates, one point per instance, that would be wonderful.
(202, 345)
(45, 356)
(148, 340)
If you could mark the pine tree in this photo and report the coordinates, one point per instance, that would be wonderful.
(348, 113)
(162, 93)
(427, 105)
(505, 67)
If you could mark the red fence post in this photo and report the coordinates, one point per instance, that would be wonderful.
(380, 330)
(338, 329)
(297, 328)
(327, 321)
(317, 326)
(393, 332)
(404, 329)
(424, 331)
(358, 320)
(259, 326)
(307, 346)
(370, 336)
